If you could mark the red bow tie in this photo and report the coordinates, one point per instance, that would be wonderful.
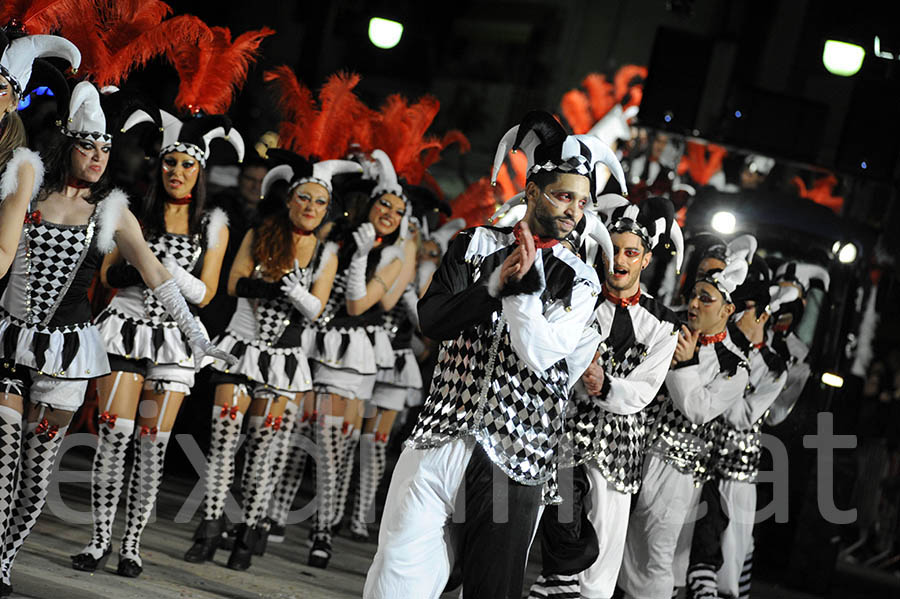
(707, 339)
(33, 218)
(540, 243)
(759, 345)
(229, 411)
(46, 429)
(381, 437)
(146, 430)
(622, 301)
(107, 419)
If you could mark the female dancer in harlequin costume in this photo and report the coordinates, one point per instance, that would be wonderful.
(608, 421)
(707, 377)
(283, 275)
(53, 348)
(350, 344)
(21, 170)
(723, 538)
(152, 361)
(392, 385)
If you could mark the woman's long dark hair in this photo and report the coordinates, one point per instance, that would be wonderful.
(59, 169)
(152, 214)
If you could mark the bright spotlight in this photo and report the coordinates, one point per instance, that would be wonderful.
(385, 33)
(724, 222)
(847, 255)
(836, 247)
(832, 380)
(841, 58)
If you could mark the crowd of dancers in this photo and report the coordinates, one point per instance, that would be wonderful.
(556, 370)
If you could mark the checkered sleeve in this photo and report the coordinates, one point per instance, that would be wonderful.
(454, 301)
(702, 402)
(543, 335)
(631, 393)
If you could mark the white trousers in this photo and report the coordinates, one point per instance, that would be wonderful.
(739, 502)
(609, 515)
(415, 551)
(657, 530)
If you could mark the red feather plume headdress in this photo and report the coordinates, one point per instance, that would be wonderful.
(476, 203)
(320, 130)
(214, 68)
(400, 131)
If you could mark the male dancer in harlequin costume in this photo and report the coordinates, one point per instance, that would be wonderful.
(707, 377)
(607, 421)
(510, 308)
(723, 537)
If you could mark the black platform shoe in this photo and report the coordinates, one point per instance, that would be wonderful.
(245, 541)
(276, 533)
(85, 562)
(320, 553)
(5, 589)
(128, 568)
(206, 541)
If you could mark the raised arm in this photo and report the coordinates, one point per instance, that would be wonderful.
(453, 302)
(544, 337)
(632, 393)
(404, 278)
(700, 402)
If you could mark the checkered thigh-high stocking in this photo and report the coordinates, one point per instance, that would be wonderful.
(372, 458)
(223, 442)
(281, 444)
(107, 481)
(288, 484)
(40, 445)
(257, 469)
(10, 454)
(328, 457)
(143, 489)
(350, 442)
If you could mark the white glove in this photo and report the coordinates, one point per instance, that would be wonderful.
(423, 274)
(169, 296)
(192, 288)
(293, 287)
(364, 236)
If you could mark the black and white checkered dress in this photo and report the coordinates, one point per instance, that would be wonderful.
(637, 347)
(682, 443)
(45, 314)
(481, 386)
(135, 326)
(265, 335)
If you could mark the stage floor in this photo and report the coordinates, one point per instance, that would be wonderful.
(43, 570)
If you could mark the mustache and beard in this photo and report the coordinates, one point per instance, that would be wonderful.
(550, 223)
